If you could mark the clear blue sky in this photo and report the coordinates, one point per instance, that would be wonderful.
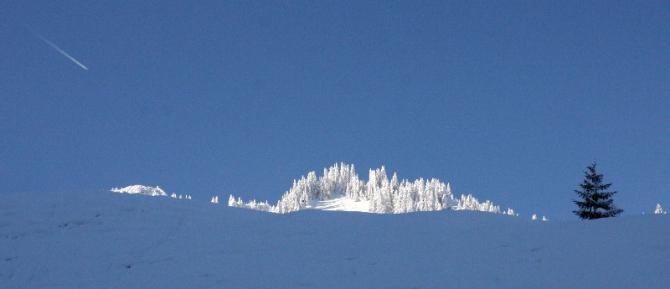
(506, 100)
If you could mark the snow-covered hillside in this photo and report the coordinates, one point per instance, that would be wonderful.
(108, 240)
(340, 184)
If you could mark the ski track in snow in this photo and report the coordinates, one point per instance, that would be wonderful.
(107, 240)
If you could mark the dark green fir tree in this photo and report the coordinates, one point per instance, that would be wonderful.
(595, 201)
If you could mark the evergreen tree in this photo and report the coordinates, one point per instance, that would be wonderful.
(659, 209)
(595, 202)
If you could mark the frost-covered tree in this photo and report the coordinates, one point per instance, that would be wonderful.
(595, 202)
(659, 210)
(312, 186)
(403, 202)
(378, 189)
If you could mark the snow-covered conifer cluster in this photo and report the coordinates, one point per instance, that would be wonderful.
(381, 194)
(659, 210)
(148, 191)
(264, 206)
(509, 212)
(142, 190)
(472, 204)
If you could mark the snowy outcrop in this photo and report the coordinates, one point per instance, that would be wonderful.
(339, 188)
(142, 190)
(148, 191)
(251, 205)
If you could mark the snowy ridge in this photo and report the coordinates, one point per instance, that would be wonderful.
(340, 189)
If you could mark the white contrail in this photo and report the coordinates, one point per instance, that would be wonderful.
(60, 50)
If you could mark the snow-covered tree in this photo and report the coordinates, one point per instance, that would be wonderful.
(378, 189)
(595, 202)
(403, 202)
(659, 210)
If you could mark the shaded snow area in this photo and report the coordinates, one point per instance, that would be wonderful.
(107, 240)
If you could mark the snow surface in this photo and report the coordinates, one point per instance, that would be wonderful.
(108, 240)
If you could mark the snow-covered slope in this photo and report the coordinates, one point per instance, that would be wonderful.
(107, 240)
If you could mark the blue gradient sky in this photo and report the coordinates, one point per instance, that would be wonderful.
(506, 100)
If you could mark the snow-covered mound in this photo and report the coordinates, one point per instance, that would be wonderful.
(340, 204)
(340, 184)
(142, 190)
(106, 240)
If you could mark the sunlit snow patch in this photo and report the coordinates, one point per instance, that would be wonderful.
(340, 204)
